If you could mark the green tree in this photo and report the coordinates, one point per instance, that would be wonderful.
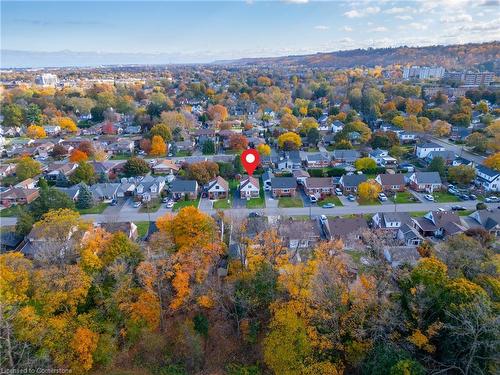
(162, 130)
(83, 173)
(33, 114)
(85, 198)
(27, 168)
(208, 147)
(136, 167)
(12, 115)
(437, 165)
(461, 174)
(313, 136)
(50, 199)
(24, 222)
(477, 141)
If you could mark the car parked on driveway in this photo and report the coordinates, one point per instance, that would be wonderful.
(464, 197)
(351, 198)
(137, 204)
(382, 197)
(170, 204)
(313, 199)
(338, 192)
(429, 197)
(492, 199)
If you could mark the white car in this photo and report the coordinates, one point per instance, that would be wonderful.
(382, 197)
(338, 191)
(313, 199)
(429, 197)
(137, 204)
(170, 204)
(323, 219)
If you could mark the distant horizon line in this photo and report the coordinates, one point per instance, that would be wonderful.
(177, 55)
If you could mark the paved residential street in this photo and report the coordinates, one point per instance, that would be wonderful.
(276, 211)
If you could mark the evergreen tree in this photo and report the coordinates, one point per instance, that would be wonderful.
(208, 147)
(85, 199)
(24, 222)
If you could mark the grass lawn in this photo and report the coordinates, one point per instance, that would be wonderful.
(181, 204)
(259, 202)
(369, 202)
(444, 197)
(404, 197)
(97, 209)
(335, 200)
(183, 153)
(287, 202)
(121, 157)
(465, 213)
(222, 204)
(142, 228)
(9, 212)
(152, 206)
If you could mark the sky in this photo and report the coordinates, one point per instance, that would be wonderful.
(204, 31)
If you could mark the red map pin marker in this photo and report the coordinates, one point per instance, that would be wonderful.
(250, 160)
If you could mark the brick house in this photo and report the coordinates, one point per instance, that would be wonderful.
(283, 186)
(391, 182)
(319, 186)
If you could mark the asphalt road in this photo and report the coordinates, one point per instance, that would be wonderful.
(302, 211)
(460, 150)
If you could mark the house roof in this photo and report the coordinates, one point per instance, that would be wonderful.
(183, 186)
(283, 183)
(300, 173)
(319, 182)
(446, 155)
(18, 193)
(487, 171)
(249, 180)
(166, 163)
(429, 145)
(353, 179)
(343, 227)
(392, 179)
(218, 181)
(318, 157)
(428, 177)
(104, 189)
(488, 219)
(346, 154)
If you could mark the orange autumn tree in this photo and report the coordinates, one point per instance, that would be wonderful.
(66, 123)
(35, 131)
(158, 146)
(217, 113)
(195, 246)
(78, 156)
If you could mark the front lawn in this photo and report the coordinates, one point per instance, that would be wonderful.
(333, 199)
(444, 197)
(465, 212)
(151, 206)
(181, 204)
(259, 202)
(142, 228)
(288, 202)
(97, 209)
(222, 204)
(121, 157)
(182, 153)
(404, 197)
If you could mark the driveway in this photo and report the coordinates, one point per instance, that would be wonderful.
(237, 201)
(302, 194)
(346, 202)
(270, 201)
(205, 204)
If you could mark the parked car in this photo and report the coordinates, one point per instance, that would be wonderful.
(253, 214)
(113, 202)
(323, 219)
(165, 200)
(472, 197)
(338, 192)
(464, 197)
(458, 208)
(137, 204)
(492, 199)
(351, 198)
(429, 197)
(170, 204)
(382, 197)
(313, 199)
(453, 191)
(328, 205)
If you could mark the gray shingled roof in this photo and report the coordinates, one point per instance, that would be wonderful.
(283, 183)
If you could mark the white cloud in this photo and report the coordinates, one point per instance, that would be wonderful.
(362, 12)
(414, 26)
(395, 10)
(404, 18)
(379, 29)
(346, 28)
(321, 27)
(456, 18)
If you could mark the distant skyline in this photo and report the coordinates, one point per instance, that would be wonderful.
(65, 33)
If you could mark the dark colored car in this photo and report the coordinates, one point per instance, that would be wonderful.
(458, 208)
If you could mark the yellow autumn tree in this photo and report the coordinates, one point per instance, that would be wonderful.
(289, 141)
(493, 161)
(263, 149)
(158, 146)
(66, 123)
(35, 132)
(369, 190)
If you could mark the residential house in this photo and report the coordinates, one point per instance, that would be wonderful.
(345, 156)
(425, 181)
(129, 228)
(409, 236)
(346, 229)
(423, 149)
(400, 255)
(127, 187)
(104, 192)
(7, 169)
(9, 241)
(29, 183)
(438, 224)
(184, 188)
(218, 188)
(337, 126)
(488, 178)
(59, 169)
(318, 160)
(266, 179)
(391, 221)
(249, 187)
(391, 182)
(447, 156)
(289, 160)
(133, 129)
(52, 130)
(299, 236)
(462, 161)
(301, 176)
(72, 192)
(283, 186)
(407, 137)
(18, 196)
(488, 220)
(319, 186)
(382, 157)
(165, 166)
(150, 187)
(349, 182)
(185, 146)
